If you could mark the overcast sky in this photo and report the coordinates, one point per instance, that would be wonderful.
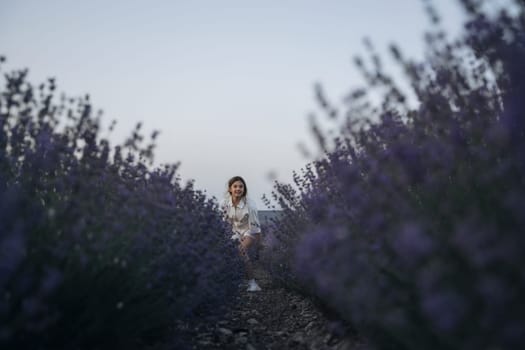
(228, 83)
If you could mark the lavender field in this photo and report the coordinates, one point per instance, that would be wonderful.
(410, 228)
(98, 249)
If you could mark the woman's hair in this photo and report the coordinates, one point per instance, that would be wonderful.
(237, 178)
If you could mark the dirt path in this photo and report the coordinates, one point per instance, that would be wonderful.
(273, 318)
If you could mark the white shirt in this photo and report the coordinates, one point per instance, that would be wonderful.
(243, 217)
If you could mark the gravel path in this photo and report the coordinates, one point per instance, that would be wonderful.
(274, 318)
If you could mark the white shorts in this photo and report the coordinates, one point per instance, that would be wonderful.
(238, 236)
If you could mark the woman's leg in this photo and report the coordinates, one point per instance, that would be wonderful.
(245, 245)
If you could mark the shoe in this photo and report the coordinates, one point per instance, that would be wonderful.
(253, 286)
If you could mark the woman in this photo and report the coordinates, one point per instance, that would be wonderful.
(241, 213)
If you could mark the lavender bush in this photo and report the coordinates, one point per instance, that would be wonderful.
(98, 249)
(411, 226)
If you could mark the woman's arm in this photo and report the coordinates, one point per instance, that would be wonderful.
(255, 225)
